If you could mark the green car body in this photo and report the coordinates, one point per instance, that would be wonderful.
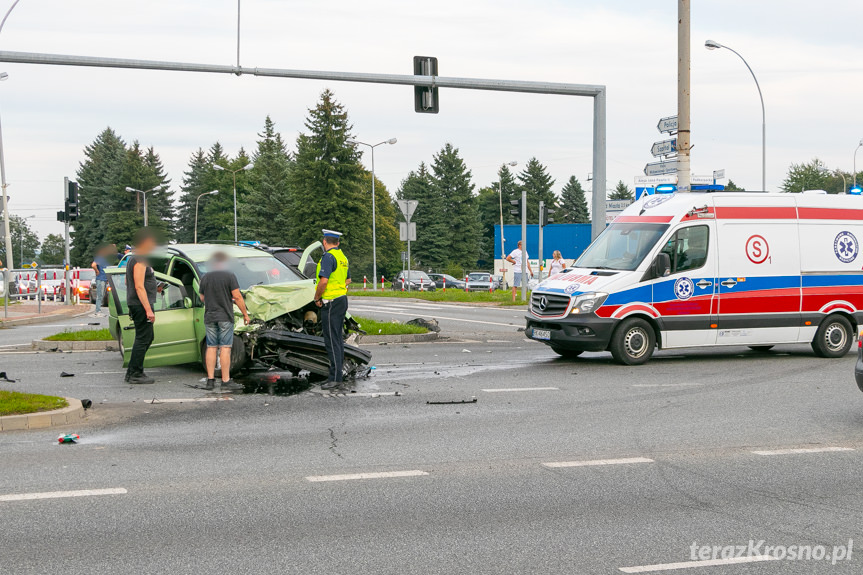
(270, 289)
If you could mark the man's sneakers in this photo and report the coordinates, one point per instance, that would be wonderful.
(331, 385)
(210, 385)
(230, 386)
(139, 379)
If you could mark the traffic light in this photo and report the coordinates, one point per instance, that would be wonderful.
(425, 97)
(72, 202)
(544, 212)
(61, 216)
(516, 211)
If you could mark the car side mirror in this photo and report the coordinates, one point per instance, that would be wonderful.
(661, 265)
(187, 303)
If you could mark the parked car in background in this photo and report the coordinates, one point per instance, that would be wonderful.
(482, 281)
(413, 280)
(451, 282)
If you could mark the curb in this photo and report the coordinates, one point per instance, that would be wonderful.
(42, 420)
(403, 338)
(40, 319)
(47, 345)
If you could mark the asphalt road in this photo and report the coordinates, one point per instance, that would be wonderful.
(561, 466)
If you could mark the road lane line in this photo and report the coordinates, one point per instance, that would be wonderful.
(156, 401)
(385, 311)
(502, 389)
(666, 384)
(378, 475)
(802, 450)
(691, 564)
(61, 494)
(556, 464)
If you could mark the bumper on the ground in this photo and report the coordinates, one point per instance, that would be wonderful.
(586, 333)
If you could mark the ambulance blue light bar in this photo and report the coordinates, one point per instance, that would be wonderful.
(856, 191)
(666, 188)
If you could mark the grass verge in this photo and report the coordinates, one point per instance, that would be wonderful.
(14, 403)
(498, 297)
(82, 335)
(374, 327)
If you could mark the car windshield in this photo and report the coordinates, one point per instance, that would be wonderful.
(621, 246)
(257, 270)
(416, 276)
(478, 277)
(86, 274)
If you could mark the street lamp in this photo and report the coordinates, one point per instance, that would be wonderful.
(374, 217)
(21, 237)
(713, 45)
(198, 199)
(3, 185)
(145, 192)
(234, 173)
(500, 198)
(860, 145)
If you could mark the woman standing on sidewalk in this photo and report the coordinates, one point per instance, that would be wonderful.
(557, 264)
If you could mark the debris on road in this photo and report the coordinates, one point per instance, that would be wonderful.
(456, 402)
(465, 351)
(4, 377)
(68, 438)
(429, 324)
(86, 403)
(64, 374)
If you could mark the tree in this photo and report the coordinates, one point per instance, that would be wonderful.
(488, 207)
(267, 206)
(621, 192)
(194, 184)
(813, 175)
(431, 248)
(143, 170)
(538, 184)
(216, 213)
(386, 218)
(326, 183)
(53, 250)
(573, 204)
(452, 182)
(21, 234)
(732, 187)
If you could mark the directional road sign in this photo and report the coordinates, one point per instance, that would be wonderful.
(660, 168)
(664, 148)
(719, 174)
(667, 125)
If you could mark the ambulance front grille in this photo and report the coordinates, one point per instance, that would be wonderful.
(548, 305)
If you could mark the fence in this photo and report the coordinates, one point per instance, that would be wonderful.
(37, 284)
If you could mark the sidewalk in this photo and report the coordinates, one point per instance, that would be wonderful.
(28, 313)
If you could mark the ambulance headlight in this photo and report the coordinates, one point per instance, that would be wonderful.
(588, 303)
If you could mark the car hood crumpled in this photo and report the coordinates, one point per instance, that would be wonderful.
(267, 302)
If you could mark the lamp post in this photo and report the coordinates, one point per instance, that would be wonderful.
(234, 174)
(198, 199)
(6, 229)
(860, 145)
(374, 215)
(144, 193)
(713, 45)
(500, 198)
(21, 236)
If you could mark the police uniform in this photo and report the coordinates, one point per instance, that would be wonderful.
(334, 266)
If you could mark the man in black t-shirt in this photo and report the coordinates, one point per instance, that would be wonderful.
(219, 292)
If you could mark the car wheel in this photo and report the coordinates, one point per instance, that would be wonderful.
(761, 348)
(567, 353)
(633, 342)
(238, 356)
(833, 338)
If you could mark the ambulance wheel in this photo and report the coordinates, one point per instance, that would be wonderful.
(567, 353)
(761, 348)
(633, 342)
(833, 338)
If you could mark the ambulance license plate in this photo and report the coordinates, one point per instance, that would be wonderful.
(542, 334)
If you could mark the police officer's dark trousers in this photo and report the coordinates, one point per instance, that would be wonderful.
(333, 324)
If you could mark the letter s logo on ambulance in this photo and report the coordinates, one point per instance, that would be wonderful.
(684, 288)
(846, 248)
(757, 249)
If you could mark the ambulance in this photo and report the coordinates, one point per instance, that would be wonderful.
(704, 269)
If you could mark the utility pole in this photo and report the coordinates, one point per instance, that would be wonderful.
(67, 267)
(683, 135)
(524, 245)
(541, 227)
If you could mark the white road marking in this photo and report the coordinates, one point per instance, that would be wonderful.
(497, 341)
(60, 494)
(378, 475)
(380, 310)
(156, 401)
(666, 384)
(373, 394)
(502, 389)
(556, 464)
(690, 564)
(107, 372)
(802, 450)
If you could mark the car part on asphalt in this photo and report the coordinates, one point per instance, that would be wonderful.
(68, 438)
(460, 401)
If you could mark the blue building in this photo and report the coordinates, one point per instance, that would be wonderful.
(570, 239)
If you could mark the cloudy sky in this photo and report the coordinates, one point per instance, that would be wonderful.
(808, 57)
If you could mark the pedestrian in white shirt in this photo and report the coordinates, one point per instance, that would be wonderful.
(557, 264)
(514, 258)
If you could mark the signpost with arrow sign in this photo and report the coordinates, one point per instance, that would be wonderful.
(660, 168)
(664, 148)
(667, 125)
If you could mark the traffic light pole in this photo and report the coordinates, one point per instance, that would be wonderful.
(67, 267)
(541, 227)
(524, 261)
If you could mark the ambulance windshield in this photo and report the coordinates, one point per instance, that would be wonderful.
(621, 246)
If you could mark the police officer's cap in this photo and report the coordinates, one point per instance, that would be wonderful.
(332, 234)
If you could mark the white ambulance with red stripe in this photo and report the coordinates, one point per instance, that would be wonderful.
(703, 269)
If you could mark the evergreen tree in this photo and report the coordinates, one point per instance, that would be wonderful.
(732, 187)
(105, 207)
(621, 192)
(143, 170)
(21, 234)
(53, 250)
(431, 248)
(266, 208)
(160, 204)
(216, 213)
(573, 204)
(386, 220)
(194, 182)
(326, 184)
(538, 184)
(507, 186)
(452, 180)
(488, 206)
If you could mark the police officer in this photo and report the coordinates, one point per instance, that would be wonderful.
(331, 296)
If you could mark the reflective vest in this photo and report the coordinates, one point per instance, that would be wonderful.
(337, 285)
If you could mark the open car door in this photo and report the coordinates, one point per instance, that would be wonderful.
(308, 265)
(174, 339)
